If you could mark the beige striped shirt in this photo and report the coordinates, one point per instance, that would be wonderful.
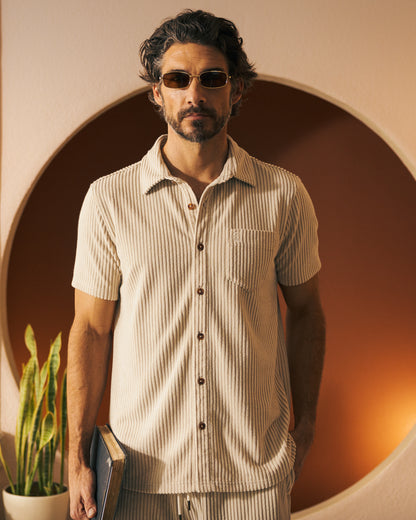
(200, 387)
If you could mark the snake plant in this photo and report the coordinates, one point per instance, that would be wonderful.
(40, 429)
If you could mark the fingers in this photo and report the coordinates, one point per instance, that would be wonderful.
(83, 509)
(303, 441)
(90, 508)
(297, 468)
(81, 493)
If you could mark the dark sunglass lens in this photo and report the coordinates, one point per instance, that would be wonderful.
(176, 79)
(213, 79)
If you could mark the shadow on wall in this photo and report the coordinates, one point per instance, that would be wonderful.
(364, 198)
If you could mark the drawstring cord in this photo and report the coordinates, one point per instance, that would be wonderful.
(179, 504)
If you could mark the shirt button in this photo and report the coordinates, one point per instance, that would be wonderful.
(200, 246)
(201, 381)
(202, 426)
(191, 206)
(200, 335)
(200, 291)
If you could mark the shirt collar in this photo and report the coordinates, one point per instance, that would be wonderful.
(154, 167)
(155, 170)
(237, 165)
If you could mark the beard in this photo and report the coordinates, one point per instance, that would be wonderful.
(201, 129)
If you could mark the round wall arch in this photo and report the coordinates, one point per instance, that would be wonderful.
(5, 260)
(381, 132)
(325, 143)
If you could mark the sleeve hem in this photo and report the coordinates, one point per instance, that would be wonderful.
(305, 277)
(93, 291)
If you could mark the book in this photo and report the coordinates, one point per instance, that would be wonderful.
(108, 460)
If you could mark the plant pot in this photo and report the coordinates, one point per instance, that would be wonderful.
(18, 507)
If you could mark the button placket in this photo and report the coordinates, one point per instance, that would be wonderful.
(190, 204)
(201, 342)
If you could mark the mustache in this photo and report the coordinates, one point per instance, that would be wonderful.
(196, 110)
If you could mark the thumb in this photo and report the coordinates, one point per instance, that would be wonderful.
(90, 507)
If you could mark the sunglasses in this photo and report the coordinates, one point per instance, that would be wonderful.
(208, 79)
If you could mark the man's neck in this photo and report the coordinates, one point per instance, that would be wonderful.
(199, 162)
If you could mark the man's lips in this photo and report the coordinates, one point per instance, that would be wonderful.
(195, 114)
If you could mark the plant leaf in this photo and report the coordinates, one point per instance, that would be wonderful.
(62, 429)
(40, 471)
(34, 431)
(30, 341)
(23, 416)
(44, 374)
(53, 367)
(7, 470)
(46, 439)
(26, 455)
(47, 431)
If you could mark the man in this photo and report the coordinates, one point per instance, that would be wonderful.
(184, 252)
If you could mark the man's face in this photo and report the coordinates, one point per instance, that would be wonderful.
(196, 113)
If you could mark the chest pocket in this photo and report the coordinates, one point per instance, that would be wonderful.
(250, 254)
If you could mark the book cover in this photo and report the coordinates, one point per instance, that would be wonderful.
(108, 460)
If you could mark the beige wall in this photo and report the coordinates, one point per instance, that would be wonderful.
(64, 62)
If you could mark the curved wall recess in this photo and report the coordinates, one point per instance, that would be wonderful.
(364, 198)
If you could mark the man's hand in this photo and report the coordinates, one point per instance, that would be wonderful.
(81, 493)
(303, 438)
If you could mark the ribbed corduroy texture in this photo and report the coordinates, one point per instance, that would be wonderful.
(265, 504)
(144, 239)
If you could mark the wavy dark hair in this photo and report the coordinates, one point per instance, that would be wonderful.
(205, 29)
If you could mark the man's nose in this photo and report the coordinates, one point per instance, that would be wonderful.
(195, 93)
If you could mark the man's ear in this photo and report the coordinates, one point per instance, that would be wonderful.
(237, 92)
(156, 94)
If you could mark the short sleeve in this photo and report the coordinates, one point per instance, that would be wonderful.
(298, 260)
(97, 269)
